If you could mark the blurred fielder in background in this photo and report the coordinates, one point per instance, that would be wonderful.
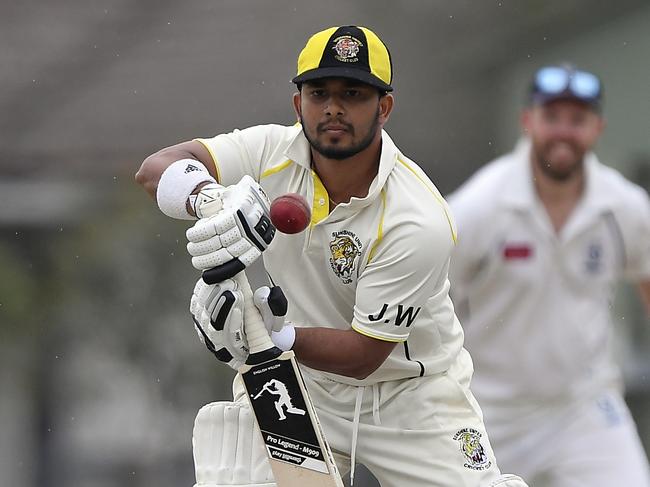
(544, 234)
(369, 315)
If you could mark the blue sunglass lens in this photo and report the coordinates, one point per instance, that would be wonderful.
(585, 85)
(552, 80)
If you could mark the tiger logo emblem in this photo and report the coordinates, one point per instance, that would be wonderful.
(470, 445)
(347, 48)
(344, 250)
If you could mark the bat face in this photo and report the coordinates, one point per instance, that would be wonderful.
(277, 395)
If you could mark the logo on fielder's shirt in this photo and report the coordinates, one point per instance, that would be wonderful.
(517, 251)
(594, 262)
(345, 247)
(347, 48)
(470, 444)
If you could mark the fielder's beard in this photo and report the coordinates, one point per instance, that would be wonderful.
(557, 172)
(340, 153)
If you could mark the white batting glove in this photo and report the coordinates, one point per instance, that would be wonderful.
(218, 314)
(209, 201)
(272, 305)
(232, 239)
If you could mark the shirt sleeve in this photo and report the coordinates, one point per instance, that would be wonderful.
(241, 152)
(637, 265)
(405, 283)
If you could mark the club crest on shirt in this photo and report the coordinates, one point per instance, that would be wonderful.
(469, 441)
(345, 248)
(594, 262)
(347, 48)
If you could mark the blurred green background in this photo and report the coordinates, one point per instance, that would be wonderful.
(101, 373)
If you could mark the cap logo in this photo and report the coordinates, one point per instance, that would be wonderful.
(347, 48)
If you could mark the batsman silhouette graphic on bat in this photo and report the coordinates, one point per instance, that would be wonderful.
(277, 388)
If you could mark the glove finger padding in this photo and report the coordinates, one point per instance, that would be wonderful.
(272, 305)
(217, 312)
(252, 206)
(236, 236)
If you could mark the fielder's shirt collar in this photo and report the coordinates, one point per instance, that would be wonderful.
(521, 190)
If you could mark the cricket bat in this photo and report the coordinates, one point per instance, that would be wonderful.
(295, 444)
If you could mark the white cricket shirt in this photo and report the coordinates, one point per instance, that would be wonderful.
(378, 264)
(534, 304)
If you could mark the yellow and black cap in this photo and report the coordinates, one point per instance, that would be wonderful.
(347, 52)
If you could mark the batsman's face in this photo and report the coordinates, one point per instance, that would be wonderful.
(562, 132)
(341, 117)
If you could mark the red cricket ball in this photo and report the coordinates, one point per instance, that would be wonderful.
(290, 213)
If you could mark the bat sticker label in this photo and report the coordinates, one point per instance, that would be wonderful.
(283, 402)
(281, 413)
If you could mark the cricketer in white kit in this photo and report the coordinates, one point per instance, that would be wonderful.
(415, 416)
(370, 317)
(535, 300)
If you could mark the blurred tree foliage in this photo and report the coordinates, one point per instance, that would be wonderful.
(18, 288)
(99, 311)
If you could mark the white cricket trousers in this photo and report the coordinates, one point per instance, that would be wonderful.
(592, 442)
(420, 432)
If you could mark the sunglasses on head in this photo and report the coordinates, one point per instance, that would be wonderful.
(556, 80)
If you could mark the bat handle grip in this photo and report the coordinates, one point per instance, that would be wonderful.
(259, 342)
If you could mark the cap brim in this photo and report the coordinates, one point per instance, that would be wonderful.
(543, 99)
(339, 72)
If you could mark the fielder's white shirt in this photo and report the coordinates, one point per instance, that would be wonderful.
(535, 305)
(377, 264)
